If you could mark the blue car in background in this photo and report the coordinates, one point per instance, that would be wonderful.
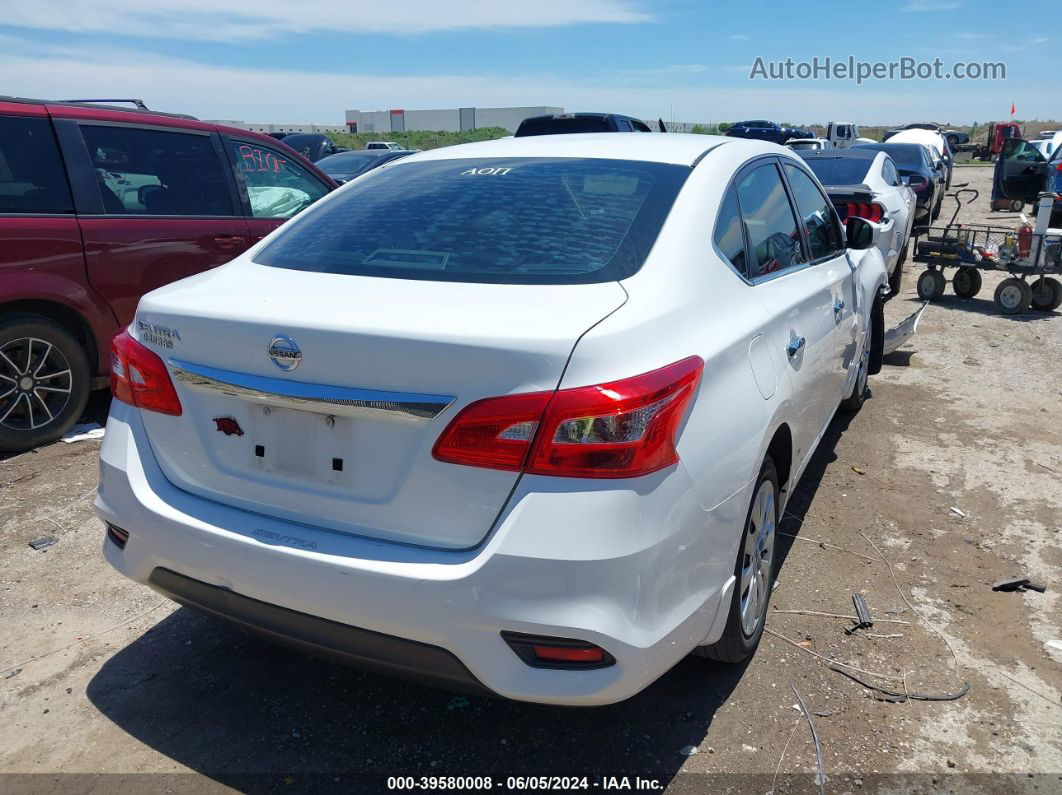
(764, 130)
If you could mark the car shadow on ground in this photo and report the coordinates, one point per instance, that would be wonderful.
(253, 715)
(984, 305)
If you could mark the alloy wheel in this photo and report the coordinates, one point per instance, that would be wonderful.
(35, 383)
(758, 559)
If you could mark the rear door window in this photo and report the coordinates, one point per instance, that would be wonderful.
(889, 173)
(771, 227)
(32, 176)
(143, 171)
(512, 221)
(729, 236)
(275, 184)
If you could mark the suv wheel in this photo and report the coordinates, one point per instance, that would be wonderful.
(44, 382)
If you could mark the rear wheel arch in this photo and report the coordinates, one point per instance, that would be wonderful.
(68, 318)
(780, 449)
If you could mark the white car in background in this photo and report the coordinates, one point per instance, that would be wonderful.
(519, 415)
(807, 144)
(866, 183)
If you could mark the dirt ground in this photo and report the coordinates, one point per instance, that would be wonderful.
(952, 473)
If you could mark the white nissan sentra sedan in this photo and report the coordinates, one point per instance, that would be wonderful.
(519, 416)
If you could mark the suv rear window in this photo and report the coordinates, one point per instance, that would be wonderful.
(550, 125)
(32, 177)
(513, 221)
(156, 172)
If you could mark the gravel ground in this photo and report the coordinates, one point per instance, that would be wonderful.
(948, 479)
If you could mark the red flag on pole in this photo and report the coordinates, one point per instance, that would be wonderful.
(1011, 108)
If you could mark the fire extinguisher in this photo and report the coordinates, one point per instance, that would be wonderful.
(1025, 233)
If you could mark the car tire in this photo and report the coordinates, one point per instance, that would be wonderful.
(43, 391)
(1046, 294)
(1013, 296)
(966, 282)
(754, 571)
(896, 277)
(936, 209)
(931, 285)
(855, 399)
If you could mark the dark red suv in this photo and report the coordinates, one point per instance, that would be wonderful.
(99, 205)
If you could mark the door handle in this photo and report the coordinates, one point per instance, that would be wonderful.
(794, 346)
(228, 241)
(838, 305)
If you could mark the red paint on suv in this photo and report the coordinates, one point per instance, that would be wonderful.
(99, 205)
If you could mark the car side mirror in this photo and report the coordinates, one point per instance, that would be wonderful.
(905, 180)
(862, 234)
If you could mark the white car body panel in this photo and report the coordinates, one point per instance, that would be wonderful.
(900, 203)
(451, 555)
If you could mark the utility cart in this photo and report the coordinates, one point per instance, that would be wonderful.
(1032, 255)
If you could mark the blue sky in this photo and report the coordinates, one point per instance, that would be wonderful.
(309, 60)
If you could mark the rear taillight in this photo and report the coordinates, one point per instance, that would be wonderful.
(871, 211)
(918, 185)
(140, 378)
(620, 429)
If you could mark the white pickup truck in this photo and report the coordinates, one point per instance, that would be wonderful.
(843, 134)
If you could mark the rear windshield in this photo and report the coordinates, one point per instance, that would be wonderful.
(512, 221)
(839, 170)
(905, 155)
(341, 166)
(552, 126)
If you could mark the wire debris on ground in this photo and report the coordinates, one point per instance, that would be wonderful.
(902, 696)
(821, 777)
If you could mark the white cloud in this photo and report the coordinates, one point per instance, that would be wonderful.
(243, 20)
(672, 70)
(739, 37)
(1022, 46)
(275, 96)
(930, 6)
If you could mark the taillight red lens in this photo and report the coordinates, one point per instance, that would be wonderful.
(620, 429)
(872, 212)
(140, 378)
(495, 433)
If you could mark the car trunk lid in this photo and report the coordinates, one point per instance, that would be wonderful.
(317, 397)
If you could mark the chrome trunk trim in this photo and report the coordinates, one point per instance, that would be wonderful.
(309, 397)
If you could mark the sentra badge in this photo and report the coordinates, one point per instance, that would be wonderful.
(157, 335)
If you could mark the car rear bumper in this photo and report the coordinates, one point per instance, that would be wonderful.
(320, 637)
(640, 569)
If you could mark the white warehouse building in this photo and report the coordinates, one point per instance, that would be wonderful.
(293, 127)
(447, 120)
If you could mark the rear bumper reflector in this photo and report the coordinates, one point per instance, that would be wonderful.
(117, 535)
(564, 654)
(320, 637)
